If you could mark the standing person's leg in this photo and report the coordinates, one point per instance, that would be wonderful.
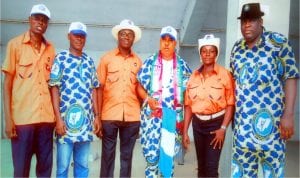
(180, 155)
(109, 142)
(44, 149)
(199, 146)
(150, 141)
(128, 135)
(273, 161)
(81, 159)
(22, 150)
(212, 157)
(244, 162)
(212, 154)
(63, 158)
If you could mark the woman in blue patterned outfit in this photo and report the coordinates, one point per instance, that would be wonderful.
(73, 82)
(162, 78)
(265, 74)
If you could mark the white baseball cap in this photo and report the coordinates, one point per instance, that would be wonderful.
(40, 9)
(209, 39)
(168, 30)
(127, 24)
(78, 28)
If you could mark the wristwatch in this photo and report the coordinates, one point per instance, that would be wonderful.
(223, 127)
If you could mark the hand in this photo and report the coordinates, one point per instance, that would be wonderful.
(153, 103)
(98, 127)
(185, 140)
(286, 126)
(218, 141)
(10, 129)
(60, 127)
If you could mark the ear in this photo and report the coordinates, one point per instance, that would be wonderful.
(261, 21)
(69, 36)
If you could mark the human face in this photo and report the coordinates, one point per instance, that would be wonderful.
(77, 42)
(38, 23)
(208, 54)
(126, 38)
(167, 47)
(251, 30)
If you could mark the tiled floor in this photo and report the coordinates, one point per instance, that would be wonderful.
(186, 170)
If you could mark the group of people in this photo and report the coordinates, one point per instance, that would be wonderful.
(156, 98)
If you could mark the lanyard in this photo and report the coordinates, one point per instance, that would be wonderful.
(174, 79)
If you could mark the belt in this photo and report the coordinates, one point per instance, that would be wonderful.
(211, 116)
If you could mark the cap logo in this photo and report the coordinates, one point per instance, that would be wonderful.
(79, 26)
(247, 8)
(42, 8)
(130, 22)
(209, 37)
(169, 29)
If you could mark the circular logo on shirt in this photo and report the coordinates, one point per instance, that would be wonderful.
(267, 169)
(280, 67)
(75, 119)
(248, 74)
(278, 38)
(263, 124)
(236, 169)
(55, 71)
(81, 72)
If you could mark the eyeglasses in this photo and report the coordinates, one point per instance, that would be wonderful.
(124, 34)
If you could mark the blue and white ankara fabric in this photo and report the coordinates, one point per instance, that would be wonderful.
(259, 75)
(153, 132)
(167, 152)
(76, 78)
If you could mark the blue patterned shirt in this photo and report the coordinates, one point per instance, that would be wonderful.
(259, 75)
(76, 78)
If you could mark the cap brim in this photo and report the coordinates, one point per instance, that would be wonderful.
(165, 34)
(78, 32)
(38, 13)
(137, 31)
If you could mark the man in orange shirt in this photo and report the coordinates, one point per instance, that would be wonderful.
(118, 102)
(29, 120)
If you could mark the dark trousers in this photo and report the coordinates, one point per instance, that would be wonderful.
(128, 133)
(33, 139)
(207, 157)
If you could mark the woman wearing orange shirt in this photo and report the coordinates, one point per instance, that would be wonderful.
(209, 101)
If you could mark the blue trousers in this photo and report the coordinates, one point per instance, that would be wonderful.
(33, 139)
(80, 152)
(128, 133)
(207, 157)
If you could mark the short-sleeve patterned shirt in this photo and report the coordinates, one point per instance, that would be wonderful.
(259, 75)
(76, 78)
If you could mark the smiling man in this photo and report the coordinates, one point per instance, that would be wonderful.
(118, 100)
(73, 82)
(29, 121)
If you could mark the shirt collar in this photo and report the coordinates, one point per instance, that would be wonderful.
(117, 52)
(216, 68)
(26, 38)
